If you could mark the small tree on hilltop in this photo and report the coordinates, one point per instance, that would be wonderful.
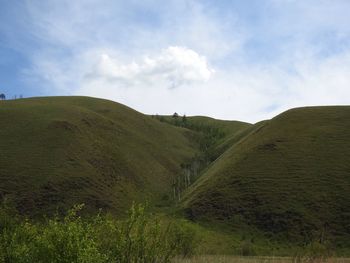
(184, 120)
(2, 96)
(176, 120)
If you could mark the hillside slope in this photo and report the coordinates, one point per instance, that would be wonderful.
(289, 177)
(59, 151)
(213, 136)
(223, 132)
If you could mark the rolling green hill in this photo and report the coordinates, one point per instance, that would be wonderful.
(59, 151)
(288, 177)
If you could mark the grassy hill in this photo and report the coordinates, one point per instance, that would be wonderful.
(213, 136)
(59, 151)
(288, 177)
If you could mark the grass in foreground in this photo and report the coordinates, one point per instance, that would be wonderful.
(237, 259)
(141, 237)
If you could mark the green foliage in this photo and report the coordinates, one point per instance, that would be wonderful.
(68, 240)
(141, 237)
(211, 133)
(213, 137)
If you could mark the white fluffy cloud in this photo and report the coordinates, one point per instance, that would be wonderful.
(268, 55)
(179, 79)
(173, 67)
(244, 92)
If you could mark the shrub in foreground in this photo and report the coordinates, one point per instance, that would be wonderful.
(140, 238)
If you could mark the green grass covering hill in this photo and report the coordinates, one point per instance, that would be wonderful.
(288, 177)
(60, 151)
(261, 186)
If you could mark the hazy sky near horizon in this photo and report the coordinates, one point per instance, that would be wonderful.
(247, 60)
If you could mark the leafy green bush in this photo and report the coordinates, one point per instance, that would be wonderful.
(141, 237)
(68, 240)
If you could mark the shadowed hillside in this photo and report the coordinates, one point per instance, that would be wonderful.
(289, 177)
(213, 136)
(59, 151)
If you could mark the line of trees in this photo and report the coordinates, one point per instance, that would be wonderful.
(207, 138)
(3, 96)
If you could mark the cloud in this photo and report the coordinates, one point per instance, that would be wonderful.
(135, 27)
(244, 92)
(173, 67)
(160, 57)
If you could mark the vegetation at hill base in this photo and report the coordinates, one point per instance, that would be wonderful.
(277, 187)
(141, 237)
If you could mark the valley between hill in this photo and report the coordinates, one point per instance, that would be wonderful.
(275, 184)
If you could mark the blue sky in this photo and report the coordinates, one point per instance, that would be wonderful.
(246, 60)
